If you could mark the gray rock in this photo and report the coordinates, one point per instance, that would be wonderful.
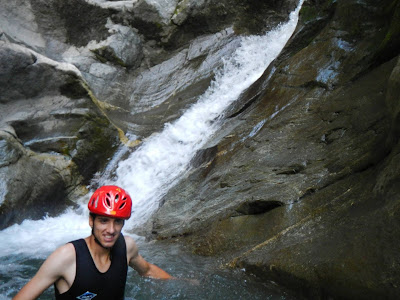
(51, 134)
(19, 24)
(8, 153)
(156, 10)
(123, 47)
(97, 37)
(33, 185)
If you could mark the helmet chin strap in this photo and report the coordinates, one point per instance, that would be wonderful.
(95, 238)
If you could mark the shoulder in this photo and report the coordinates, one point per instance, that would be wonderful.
(131, 248)
(58, 264)
(66, 249)
(63, 255)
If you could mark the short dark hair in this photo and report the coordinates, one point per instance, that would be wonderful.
(93, 215)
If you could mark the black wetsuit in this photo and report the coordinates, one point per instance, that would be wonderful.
(90, 282)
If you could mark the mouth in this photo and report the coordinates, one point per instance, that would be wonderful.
(109, 238)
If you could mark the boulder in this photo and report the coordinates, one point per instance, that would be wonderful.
(32, 185)
(123, 47)
(53, 135)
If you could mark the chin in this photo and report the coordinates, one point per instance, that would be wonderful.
(109, 244)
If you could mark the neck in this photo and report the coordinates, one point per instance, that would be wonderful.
(102, 257)
(96, 248)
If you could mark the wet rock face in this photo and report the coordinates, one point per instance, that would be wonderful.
(31, 185)
(52, 136)
(127, 50)
(71, 72)
(175, 23)
(298, 186)
(205, 17)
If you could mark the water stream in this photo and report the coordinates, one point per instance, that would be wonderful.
(151, 170)
(147, 174)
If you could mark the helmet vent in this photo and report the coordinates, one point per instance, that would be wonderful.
(116, 198)
(122, 205)
(108, 200)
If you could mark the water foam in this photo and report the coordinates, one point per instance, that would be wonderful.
(38, 238)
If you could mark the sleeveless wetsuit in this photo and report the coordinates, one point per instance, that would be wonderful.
(89, 282)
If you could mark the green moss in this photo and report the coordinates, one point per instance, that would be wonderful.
(391, 7)
(177, 10)
(104, 54)
(73, 89)
(387, 39)
(308, 13)
(390, 43)
(101, 107)
(99, 57)
(65, 150)
(394, 28)
(97, 142)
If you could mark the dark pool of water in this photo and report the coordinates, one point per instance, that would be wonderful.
(202, 278)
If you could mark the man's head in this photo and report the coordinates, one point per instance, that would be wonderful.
(109, 207)
(111, 201)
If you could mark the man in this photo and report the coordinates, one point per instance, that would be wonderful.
(94, 267)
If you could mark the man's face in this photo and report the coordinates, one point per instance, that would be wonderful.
(106, 230)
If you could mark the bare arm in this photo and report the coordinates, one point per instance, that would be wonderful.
(144, 268)
(53, 268)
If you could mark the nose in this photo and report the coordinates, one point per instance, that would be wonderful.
(111, 227)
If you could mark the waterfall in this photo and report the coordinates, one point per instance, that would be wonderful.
(153, 169)
(162, 159)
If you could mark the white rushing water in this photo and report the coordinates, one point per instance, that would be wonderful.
(160, 161)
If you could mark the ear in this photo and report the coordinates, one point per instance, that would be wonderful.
(91, 221)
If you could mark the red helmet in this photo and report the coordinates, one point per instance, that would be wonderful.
(111, 201)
